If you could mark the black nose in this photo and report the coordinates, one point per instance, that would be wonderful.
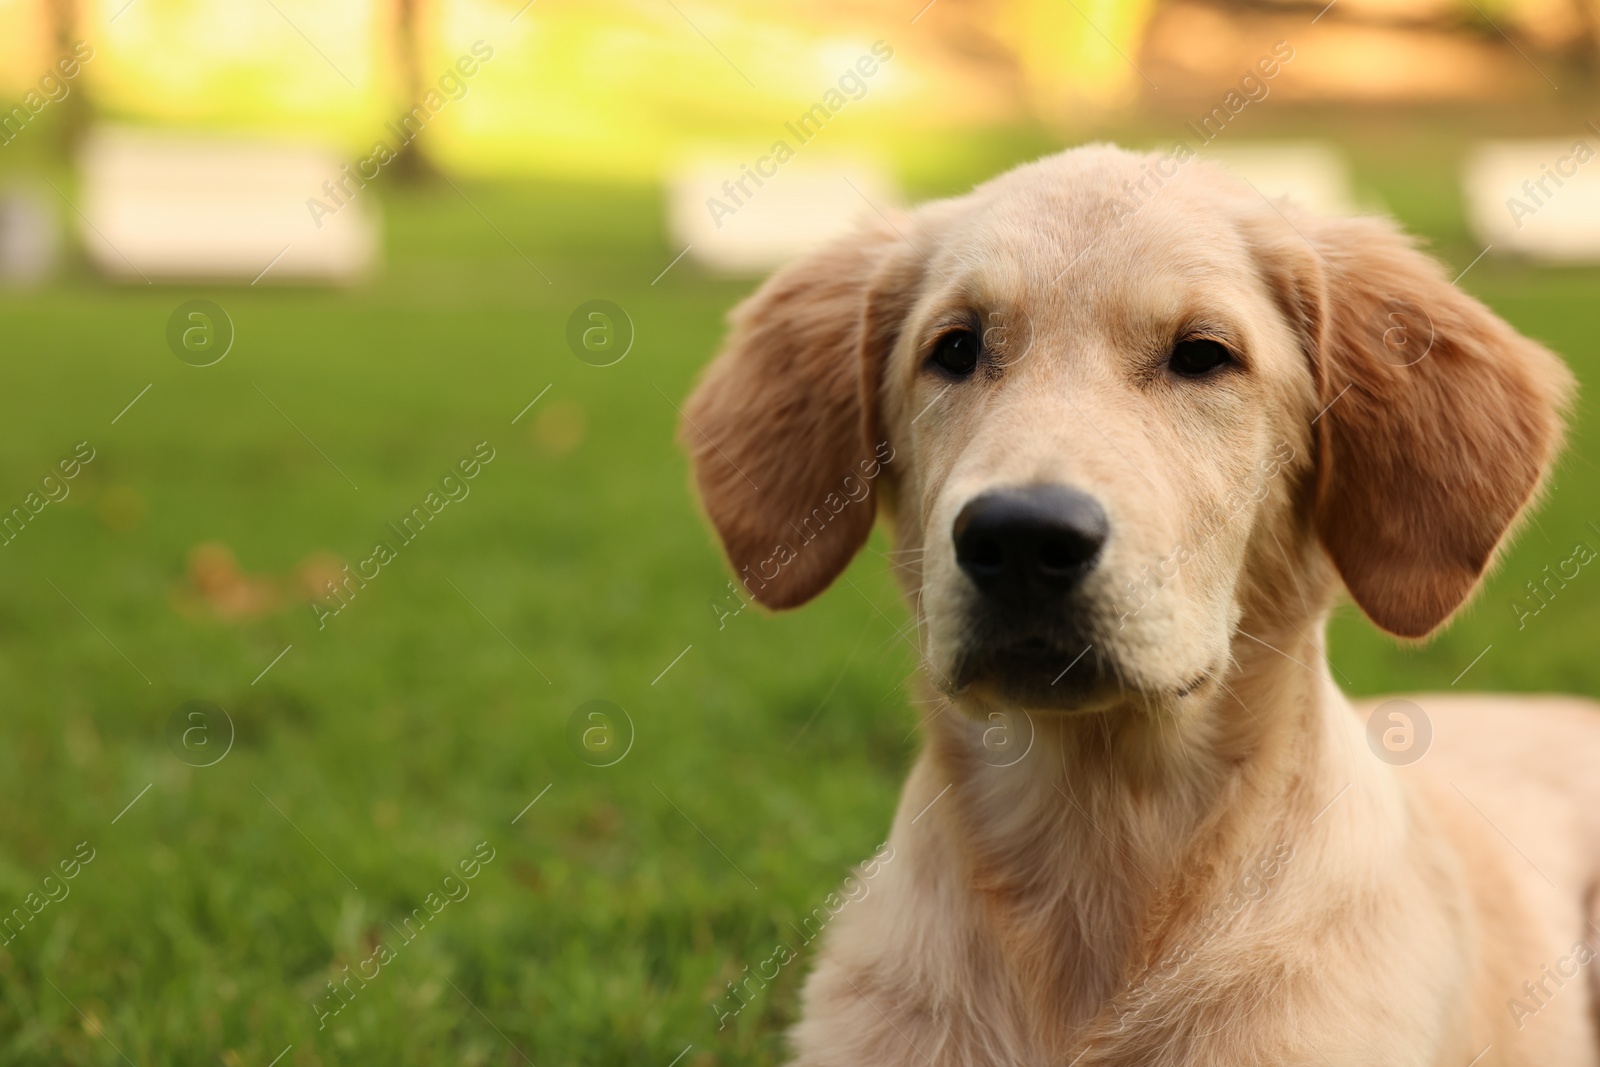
(1041, 537)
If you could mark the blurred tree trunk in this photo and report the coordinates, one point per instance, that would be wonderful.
(72, 115)
(1589, 16)
(410, 165)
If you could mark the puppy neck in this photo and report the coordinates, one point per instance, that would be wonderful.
(1087, 852)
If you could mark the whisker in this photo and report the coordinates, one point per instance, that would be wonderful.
(924, 723)
(892, 567)
(1238, 699)
(1279, 651)
(1294, 573)
(1292, 625)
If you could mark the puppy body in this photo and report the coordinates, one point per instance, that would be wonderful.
(1064, 917)
(1185, 850)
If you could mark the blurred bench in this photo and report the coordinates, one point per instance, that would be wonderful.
(733, 225)
(1538, 199)
(163, 206)
(1311, 173)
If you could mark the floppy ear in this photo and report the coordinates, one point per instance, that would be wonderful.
(1438, 423)
(789, 411)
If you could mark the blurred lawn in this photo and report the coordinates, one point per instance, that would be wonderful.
(766, 761)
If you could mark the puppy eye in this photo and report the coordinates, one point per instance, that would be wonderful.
(1196, 357)
(956, 353)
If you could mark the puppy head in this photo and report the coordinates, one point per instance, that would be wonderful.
(1114, 405)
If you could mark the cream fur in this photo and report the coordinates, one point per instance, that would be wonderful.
(1200, 861)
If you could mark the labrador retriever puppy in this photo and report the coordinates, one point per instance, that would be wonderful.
(1132, 428)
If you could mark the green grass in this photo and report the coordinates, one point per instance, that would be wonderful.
(381, 749)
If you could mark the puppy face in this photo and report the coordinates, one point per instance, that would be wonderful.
(1115, 416)
(1096, 409)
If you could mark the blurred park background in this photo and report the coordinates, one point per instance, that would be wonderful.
(275, 275)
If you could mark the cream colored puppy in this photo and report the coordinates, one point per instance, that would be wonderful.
(1133, 428)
